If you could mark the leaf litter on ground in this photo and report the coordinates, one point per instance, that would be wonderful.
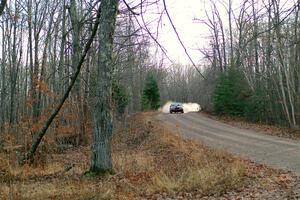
(151, 161)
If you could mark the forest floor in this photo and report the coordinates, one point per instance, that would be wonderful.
(151, 161)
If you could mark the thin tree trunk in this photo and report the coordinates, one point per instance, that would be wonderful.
(43, 63)
(3, 82)
(40, 134)
(296, 69)
(255, 32)
(287, 101)
(13, 75)
(230, 31)
(37, 28)
(76, 27)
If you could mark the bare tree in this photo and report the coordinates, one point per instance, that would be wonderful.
(40, 133)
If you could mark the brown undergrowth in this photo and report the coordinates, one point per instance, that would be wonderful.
(151, 162)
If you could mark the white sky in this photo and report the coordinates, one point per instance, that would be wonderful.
(193, 33)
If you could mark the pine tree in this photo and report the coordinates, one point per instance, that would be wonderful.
(150, 96)
(120, 97)
(231, 93)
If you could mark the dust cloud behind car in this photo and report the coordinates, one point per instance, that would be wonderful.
(187, 107)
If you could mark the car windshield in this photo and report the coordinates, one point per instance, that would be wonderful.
(176, 104)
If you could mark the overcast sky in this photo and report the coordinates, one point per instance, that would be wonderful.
(194, 34)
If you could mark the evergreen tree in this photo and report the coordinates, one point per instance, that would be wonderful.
(120, 97)
(231, 93)
(150, 97)
(258, 106)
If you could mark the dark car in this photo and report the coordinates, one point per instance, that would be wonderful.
(176, 108)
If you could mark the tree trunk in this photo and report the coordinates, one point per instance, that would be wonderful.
(40, 134)
(13, 75)
(62, 51)
(3, 82)
(230, 31)
(102, 116)
(76, 49)
(255, 40)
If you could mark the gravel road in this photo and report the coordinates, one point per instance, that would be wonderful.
(265, 149)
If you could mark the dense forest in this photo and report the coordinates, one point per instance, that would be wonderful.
(256, 61)
(51, 47)
(83, 84)
(70, 66)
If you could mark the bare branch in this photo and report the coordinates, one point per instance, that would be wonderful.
(42, 132)
(179, 39)
(130, 9)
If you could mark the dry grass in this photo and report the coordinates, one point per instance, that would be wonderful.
(204, 179)
(195, 167)
(149, 159)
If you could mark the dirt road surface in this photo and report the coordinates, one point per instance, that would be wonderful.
(265, 149)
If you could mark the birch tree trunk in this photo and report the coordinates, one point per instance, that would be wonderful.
(286, 94)
(255, 41)
(103, 126)
(230, 31)
(297, 65)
